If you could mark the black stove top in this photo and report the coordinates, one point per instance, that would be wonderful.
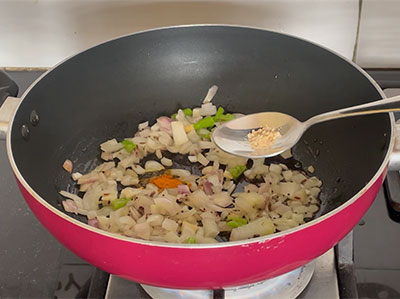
(33, 264)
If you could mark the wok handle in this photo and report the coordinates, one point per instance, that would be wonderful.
(394, 162)
(8, 102)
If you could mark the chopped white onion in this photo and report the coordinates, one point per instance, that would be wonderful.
(178, 133)
(208, 109)
(153, 166)
(143, 125)
(76, 175)
(166, 162)
(111, 146)
(210, 94)
(202, 160)
(70, 206)
(169, 225)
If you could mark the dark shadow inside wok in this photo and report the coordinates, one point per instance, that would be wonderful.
(106, 91)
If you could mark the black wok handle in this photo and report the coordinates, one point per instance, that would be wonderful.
(392, 195)
(8, 88)
(8, 102)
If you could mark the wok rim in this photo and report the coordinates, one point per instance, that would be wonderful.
(260, 240)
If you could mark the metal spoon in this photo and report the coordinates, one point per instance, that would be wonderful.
(231, 136)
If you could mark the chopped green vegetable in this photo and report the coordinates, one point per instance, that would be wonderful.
(237, 171)
(206, 122)
(128, 145)
(204, 134)
(119, 203)
(220, 111)
(191, 240)
(226, 117)
(220, 116)
(237, 219)
(236, 222)
(173, 116)
(188, 112)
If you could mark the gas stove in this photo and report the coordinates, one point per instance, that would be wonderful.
(365, 264)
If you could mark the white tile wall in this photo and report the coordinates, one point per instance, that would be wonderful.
(41, 33)
(379, 37)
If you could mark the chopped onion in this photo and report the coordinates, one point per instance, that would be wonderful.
(166, 162)
(192, 159)
(287, 154)
(214, 180)
(130, 192)
(138, 169)
(183, 189)
(143, 125)
(178, 133)
(209, 225)
(143, 230)
(289, 188)
(275, 168)
(180, 172)
(207, 187)
(222, 199)
(202, 160)
(74, 197)
(171, 207)
(193, 136)
(106, 156)
(208, 109)
(165, 123)
(298, 178)
(94, 222)
(287, 175)
(76, 176)
(155, 220)
(206, 144)
(210, 94)
(145, 133)
(70, 206)
(311, 169)
(196, 113)
(169, 225)
(152, 166)
(260, 227)
(111, 146)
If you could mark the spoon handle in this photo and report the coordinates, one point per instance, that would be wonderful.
(381, 106)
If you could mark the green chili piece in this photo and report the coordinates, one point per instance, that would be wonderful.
(233, 224)
(219, 113)
(238, 219)
(119, 203)
(236, 222)
(188, 112)
(226, 117)
(206, 122)
(237, 171)
(191, 240)
(128, 145)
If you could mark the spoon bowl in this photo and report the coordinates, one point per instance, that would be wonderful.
(232, 136)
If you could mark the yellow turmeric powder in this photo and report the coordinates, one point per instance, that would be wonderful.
(165, 181)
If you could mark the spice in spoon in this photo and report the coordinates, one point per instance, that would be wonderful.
(263, 137)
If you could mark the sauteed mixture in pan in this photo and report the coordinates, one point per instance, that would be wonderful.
(138, 193)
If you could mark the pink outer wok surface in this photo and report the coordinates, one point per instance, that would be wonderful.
(212, 267)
